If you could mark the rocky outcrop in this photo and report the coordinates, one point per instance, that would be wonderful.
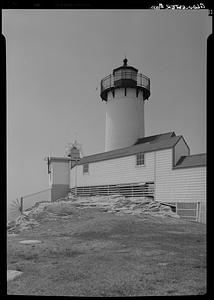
(116, 204)
(21, 223)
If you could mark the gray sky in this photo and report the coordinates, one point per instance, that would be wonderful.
(56, 59)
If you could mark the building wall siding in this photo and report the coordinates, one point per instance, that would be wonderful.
(59, 173)
(181, 185)
(171, 185)
(115, 171)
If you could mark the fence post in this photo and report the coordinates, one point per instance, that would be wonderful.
(198, 212)
(21, 205)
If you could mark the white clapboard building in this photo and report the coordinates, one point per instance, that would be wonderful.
(134, 165)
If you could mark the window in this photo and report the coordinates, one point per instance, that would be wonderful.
(140, 159)
(85, 168)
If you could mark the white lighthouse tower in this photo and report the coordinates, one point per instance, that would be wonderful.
(124, 92)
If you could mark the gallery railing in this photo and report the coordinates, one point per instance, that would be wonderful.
(140, 79)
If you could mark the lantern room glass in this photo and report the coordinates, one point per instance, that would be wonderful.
(125, 74)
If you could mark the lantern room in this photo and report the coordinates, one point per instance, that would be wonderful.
(125, 76)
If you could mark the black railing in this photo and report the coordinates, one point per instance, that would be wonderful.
(140, 79)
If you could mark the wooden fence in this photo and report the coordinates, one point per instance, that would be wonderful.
(127, 190)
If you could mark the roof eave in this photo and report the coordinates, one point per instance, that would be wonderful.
(59, 159)
(190, 166)
(125, 155)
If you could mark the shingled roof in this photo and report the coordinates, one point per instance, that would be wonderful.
(196, 160)
(155, 138)
(148, 144)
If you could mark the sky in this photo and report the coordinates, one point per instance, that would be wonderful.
(56, 60)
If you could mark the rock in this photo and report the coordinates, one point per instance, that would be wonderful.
(137, 211)
(116, 204)
(163, 264)
(154, 209)
(127, 211)
(116, 196)
(173, 215)
(165, 208)
(12, 274)
(14, 230)
(61, 208)
(30, 242)
(26, 224)
(11, 224)
(143, 206)
(62, 199)
(21, 218)
(140, 200)
(12, 234)
(104, 209)
(40, 215)
(154, 204)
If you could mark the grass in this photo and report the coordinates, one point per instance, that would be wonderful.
(98, 254)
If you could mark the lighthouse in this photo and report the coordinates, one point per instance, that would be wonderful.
(133, 165)
(124, 93)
